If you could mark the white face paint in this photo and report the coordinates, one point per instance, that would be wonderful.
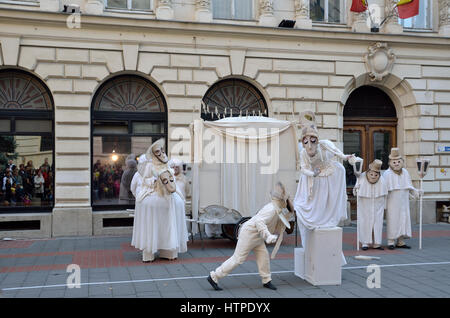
(168, 181)
(396, 164)
(310, 144)
(372, 176)
(159, 153)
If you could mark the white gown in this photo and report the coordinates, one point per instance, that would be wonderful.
(161, 224)
(371, 202)
(321, 201)
(397, 210)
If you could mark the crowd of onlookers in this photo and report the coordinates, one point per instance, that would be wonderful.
(21, 184)
(106, 181)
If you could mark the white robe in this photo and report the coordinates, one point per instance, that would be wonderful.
(397, 210)
(371, 203)
(161, 224)
(321, 201)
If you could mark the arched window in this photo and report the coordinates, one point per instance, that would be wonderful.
(233, 96)
(128, 115)
(370, 122)
(26, 142)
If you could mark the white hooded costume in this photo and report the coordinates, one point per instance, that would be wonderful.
(371, 203)
(252, 236)
(162, 221)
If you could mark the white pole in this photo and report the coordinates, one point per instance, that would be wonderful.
(420, 217)
(357, 230)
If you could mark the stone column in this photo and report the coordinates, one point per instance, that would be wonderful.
(302, 18)
(203, 11)
(50, 5)
(391, 25)
(444, 18)
(164, 10)
(266, 16)
(94, 7)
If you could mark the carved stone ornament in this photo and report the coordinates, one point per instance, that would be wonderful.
(379, 61)
(302, 8)
(444, 12)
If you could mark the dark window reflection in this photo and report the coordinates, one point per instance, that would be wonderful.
(26, 171)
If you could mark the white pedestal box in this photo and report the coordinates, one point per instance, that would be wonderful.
(323, 257)
(299, 262)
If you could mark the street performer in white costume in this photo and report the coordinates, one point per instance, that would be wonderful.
(321, 198)
(266, 226)
(371, 192)
(180, 178)
(400, 188)
(161, 223)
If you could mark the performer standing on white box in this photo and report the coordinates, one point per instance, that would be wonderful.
(321, 198)
(270, 219)
(400, 189)
(371, 192)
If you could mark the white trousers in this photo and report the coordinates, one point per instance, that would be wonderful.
(248, 241)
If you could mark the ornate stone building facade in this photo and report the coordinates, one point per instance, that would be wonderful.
(166, 56)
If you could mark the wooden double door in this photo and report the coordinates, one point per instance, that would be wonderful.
(369, 139)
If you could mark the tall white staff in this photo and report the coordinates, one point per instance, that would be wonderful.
(422, 169)
(357, 164)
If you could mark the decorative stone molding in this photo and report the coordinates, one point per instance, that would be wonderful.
(49, 5)
(379, 61)
(302, 18)
(266, 16)
(164, 10)
(444, 18)
(95, 7)
(360, 22)
(392, 25)
(203, 11)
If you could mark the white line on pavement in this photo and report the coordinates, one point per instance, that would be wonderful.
(202, 277)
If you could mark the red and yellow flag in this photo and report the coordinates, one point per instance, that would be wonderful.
(407, 8)
(359, 6)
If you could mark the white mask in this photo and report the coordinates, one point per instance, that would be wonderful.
(372, 176)
(310, 144)
(396, 165)
(168, 181)
(160, 154)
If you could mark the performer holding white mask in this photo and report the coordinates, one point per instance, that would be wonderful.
(161, 223)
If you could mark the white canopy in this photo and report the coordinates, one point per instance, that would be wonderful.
(237, 160)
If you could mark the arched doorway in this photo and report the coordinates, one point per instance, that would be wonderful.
(26, 143)
(129, 113)
(232, 97)
(370, 128)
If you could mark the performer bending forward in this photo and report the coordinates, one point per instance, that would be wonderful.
(270, 219)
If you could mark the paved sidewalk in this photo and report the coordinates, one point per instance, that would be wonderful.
(111, 267)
